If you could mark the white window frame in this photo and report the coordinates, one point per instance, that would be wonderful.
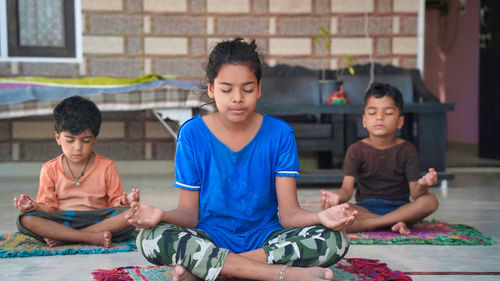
(4, 44)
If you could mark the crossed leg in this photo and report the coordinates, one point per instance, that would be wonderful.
(247, 268)
(398, 219)
(55, 234)
(174, 245)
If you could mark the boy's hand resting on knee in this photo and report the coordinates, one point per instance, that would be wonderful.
(338, 217)
(429, 179)
(25, 203)
(143, 215)
(329, 199)
(128, 198)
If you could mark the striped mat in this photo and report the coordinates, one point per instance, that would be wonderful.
(426, 233)
(17, 245)
(347, 269)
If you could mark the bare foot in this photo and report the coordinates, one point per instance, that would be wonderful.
(401, 228)
(307, 273)
(181, 274)
(54, 243)
(107, 239)
(100, 238)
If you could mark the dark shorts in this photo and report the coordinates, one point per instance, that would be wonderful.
(380, 206)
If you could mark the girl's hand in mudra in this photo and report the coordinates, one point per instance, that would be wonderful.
(142, 215)
(338, 217)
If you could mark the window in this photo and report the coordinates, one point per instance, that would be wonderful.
(40, 30)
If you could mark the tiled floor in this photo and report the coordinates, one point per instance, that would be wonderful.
(472, 198)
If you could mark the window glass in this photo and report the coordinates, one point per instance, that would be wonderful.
(40, 29)
(41, 23)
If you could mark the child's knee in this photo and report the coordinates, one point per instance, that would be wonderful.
(149, 245)
(337, 244)
(26, 224)
(331, 247)
(167, 244)
(433, 203)
(171, 245)
(430, 203)
(27, 221)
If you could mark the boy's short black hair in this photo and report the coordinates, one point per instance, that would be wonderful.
(380, 90)
(77, 114)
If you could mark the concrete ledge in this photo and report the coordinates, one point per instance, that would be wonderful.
(146, 167)
(473, 170)
(30, 169)
(24, 169)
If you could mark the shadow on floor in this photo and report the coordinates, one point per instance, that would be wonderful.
(466, 155)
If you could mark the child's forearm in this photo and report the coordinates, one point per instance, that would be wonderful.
(345, 191)
(299, 218)
(344, 195)
(418, 190)
(180, 217)
(44, 208)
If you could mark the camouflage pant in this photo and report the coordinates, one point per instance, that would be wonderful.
(192, 248)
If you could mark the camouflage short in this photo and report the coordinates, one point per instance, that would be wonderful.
(305, 247)
(167, 244)
(192, 248)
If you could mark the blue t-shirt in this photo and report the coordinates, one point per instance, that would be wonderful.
(238, 202)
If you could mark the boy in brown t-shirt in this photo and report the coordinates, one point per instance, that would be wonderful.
(386, 168)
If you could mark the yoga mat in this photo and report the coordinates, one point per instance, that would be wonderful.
(19, 245)
(347, 269)
(426, 233)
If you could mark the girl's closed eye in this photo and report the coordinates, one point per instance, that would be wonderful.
(248, 90)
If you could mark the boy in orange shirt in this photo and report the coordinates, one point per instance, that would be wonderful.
(80, 197)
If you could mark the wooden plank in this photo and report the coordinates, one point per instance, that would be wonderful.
(296, 108)
(312, 130)
(335, 176)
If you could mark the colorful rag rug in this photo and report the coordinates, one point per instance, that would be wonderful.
(347, 269)
(19, 245)
(426, 233)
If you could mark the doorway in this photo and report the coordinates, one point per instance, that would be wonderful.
(489, 80)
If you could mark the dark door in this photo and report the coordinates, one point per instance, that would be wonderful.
(489, 80)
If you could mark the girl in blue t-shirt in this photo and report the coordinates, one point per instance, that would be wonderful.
(238, 212)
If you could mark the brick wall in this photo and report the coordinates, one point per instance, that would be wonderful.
(123, 136)
(129, 38)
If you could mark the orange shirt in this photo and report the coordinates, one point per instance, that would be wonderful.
(99, 188)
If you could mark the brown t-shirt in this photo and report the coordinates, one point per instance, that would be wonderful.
(382, 173)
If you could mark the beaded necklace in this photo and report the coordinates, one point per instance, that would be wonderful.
(77, 179)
